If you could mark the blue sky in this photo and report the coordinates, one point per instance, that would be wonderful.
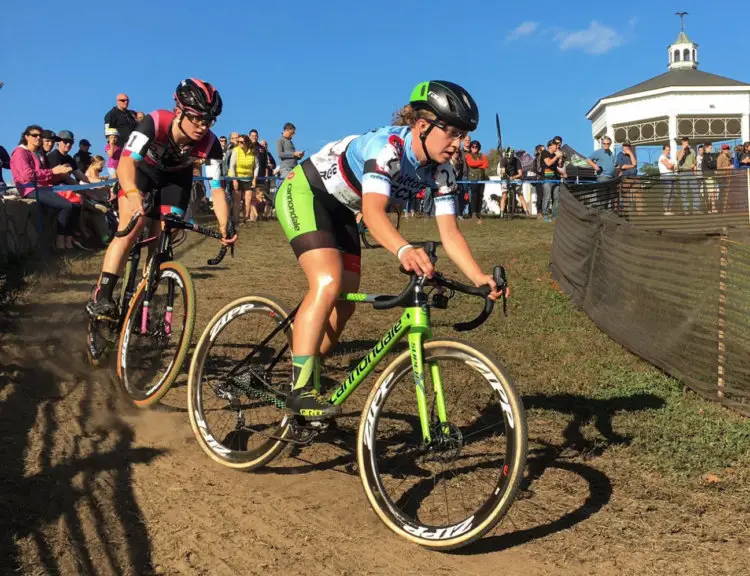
(342, 67)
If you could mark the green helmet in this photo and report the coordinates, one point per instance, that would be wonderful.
(448, 101)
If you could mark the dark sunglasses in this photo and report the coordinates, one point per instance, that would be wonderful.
(205, 121)
(67, 141)
(123, 100)
(34, 135)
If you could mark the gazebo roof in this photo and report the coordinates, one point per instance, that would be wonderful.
(675, 79)
(679, 78)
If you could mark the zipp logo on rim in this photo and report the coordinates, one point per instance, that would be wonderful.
(495, 383)
(228, 317)
(374, 409)
(441, 533)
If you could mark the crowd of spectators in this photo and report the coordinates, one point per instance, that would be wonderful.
(43, 159)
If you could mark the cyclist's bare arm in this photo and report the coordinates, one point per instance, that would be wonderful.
(460, 254)
(381, 227)
(126, 176)
(215, 175)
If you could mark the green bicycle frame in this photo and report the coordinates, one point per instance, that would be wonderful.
(415, 323)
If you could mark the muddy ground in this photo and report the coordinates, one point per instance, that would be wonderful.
(90, 485)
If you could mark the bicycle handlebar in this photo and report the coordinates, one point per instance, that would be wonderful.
(409, 295)
(129, 227)
(177, 222)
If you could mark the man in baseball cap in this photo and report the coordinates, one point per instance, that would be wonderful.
(48, 140)
(83, 157)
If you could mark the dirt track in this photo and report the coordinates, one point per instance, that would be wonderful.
(92, 487)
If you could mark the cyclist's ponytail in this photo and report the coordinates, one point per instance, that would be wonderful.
(408, 116)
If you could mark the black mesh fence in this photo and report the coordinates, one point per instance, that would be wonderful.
(663, 267)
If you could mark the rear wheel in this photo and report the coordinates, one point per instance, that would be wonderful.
(151, 352)
(450, 492)
(239, 378)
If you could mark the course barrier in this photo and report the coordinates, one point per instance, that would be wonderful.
(662, 265)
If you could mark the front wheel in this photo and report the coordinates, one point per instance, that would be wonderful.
(448, 492)
(156, 335)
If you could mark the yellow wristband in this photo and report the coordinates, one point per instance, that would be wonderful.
(133, 191)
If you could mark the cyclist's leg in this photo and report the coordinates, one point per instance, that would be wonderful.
(347, 238)
(308, 226)
(101, 304)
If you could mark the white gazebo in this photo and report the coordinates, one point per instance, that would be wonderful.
(684, 101)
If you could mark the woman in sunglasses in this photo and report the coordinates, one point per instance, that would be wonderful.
(157, 165)
(316, 206)
(33, 179)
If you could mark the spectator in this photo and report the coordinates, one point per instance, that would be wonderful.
(538, 175)
(666, 174)
(93, 218)
(551, 161)
(62, 156)
(233, 138)
(627, 167)
(510, 164)
(83, 157)
(4, 165)
(285, 150)
(243, 164)
(686, 176)
(113, 150)
(262, 190)
(724, 159)
(33, 178)
(458, 161)
(49, 139)
(603, 161)
(744, 157)
(138, 117)
(737, 154)
(271, 170)
(223, 143)
(708, 170)
(477, 164)
(120, 118)
(724, 169)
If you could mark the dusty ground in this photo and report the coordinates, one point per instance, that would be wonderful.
(91, 486)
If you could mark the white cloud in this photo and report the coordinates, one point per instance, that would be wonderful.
(523, 29)
(596, 39)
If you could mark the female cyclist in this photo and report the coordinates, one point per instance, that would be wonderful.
(316, 207)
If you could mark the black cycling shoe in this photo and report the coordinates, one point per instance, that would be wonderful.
(102, 310)
(308, 402)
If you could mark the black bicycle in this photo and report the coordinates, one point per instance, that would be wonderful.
(156, 315)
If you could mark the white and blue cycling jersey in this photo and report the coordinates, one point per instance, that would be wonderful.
(382, 162)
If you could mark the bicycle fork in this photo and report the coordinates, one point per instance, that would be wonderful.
(416, 349)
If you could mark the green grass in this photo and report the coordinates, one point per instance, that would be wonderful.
(555, 352)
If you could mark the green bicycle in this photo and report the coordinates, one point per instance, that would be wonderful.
(441, 443)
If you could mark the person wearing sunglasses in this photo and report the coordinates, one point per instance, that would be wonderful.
(35, 179)
(120, 118)
(317, 204)
(156, 176)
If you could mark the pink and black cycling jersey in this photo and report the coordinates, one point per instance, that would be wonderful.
(152, 146)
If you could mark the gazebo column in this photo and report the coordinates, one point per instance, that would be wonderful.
(673, 136)
(745, 128)
(611, 133)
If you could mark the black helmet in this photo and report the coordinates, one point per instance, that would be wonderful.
(198, 97)
(448, 101)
